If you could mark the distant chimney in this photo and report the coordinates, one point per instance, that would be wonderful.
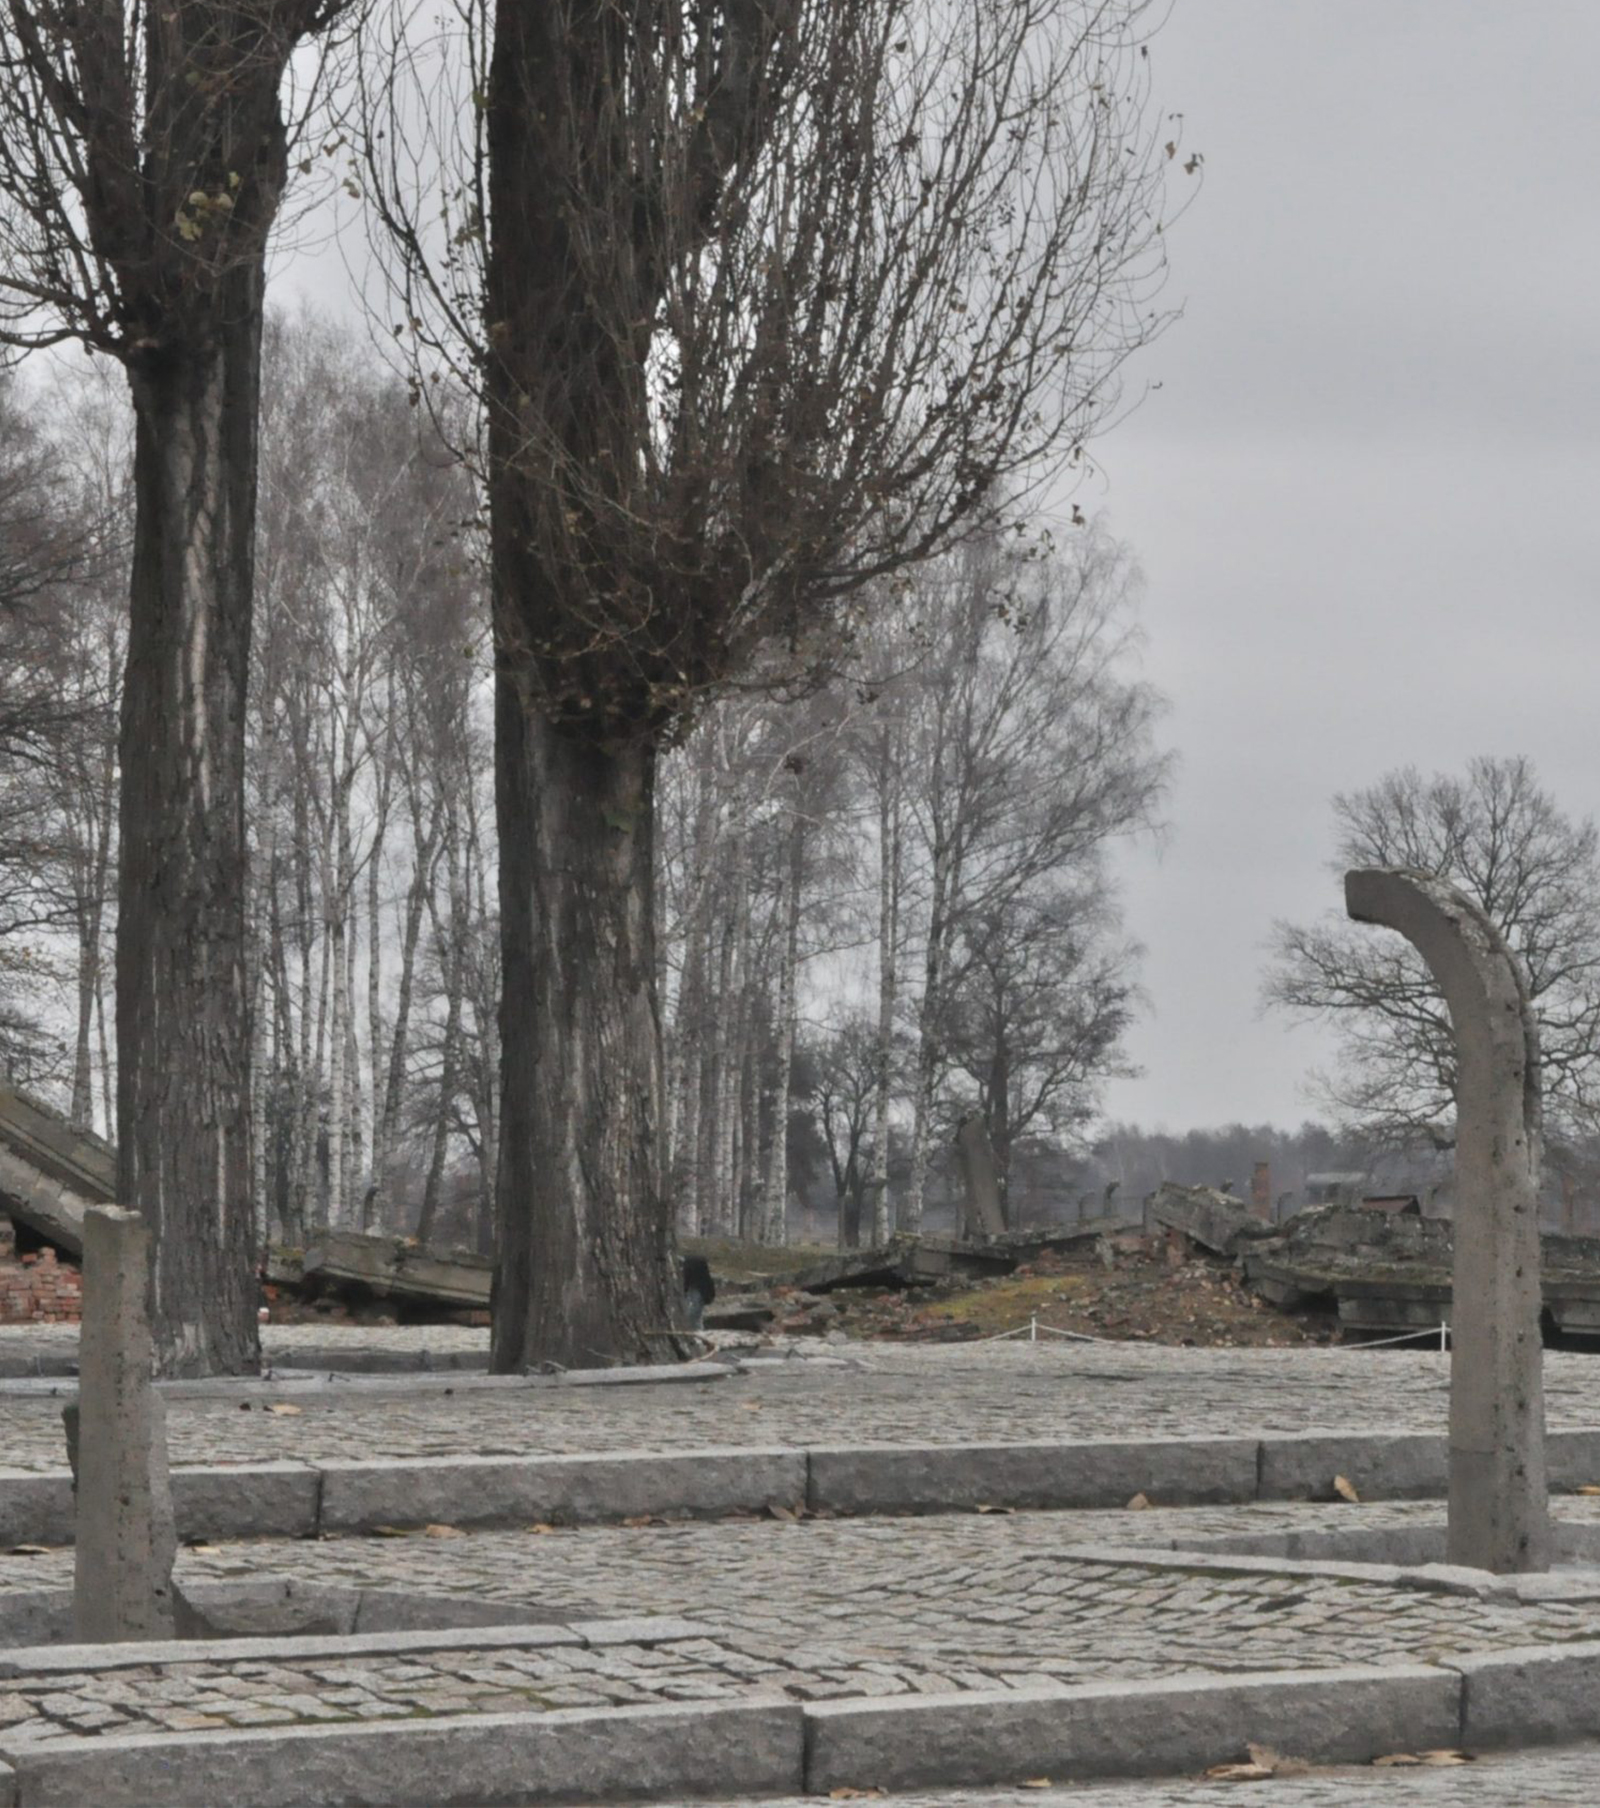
(1261, 1191)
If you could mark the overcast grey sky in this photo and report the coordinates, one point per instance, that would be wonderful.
(1367, 494)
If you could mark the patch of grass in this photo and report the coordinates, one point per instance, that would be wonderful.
(1006, 1304)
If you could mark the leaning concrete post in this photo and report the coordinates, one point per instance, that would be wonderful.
(1499, 1508)
(126, 1538)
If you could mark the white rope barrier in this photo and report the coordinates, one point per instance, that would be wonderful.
(1032, 1328)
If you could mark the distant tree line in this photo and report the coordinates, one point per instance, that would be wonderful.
(882, 903)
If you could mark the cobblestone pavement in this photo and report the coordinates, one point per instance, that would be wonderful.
(807, 1609)
(880, 1394)
(1563, 1778)
(802, 1611)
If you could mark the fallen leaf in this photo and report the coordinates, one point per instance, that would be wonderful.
(751, 1405)
(390, 1531)
(1275, 1761)
(541, 1528)
(1139, 1503)
(442, 1531)
(283, 1406)
(774, 1511)
(1444, 1757)
(844, 1793)
(28, 1550)
(1239, 1773)
(1345, 1489)
(1391, 1759)
(984, 1507)
(1588, 1488)
(1034, 1783)
(205, 1550)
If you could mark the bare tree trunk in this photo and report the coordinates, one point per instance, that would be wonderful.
(385, 1130)
(334, 931)
(107, 1080)
(689, 1029)
(928, 1016)
(584, 1258)
(774, 1226)
(183, 1018)
(888, 970)
(485, 1001)
(450, 936)
(82, 1111)
(375, 1056)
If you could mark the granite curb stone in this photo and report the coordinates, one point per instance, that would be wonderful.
(305, 1647)
(1121, 1729)
(291, 1499)
(1539, 1695)
(484, 1490)
(909, 1478)
(568, 1755)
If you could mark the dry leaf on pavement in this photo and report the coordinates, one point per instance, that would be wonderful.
(1345, 1488)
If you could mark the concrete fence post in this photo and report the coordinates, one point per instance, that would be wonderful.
(1499, 1503)
(126, 1535)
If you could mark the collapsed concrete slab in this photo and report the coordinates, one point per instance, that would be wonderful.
(1215, 1220)
(50, 1171)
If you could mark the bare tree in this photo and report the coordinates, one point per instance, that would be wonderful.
(143, 158)
(366, 760)
(1499, 836)
(1045, 994)
(1029, 748)
(779, 299)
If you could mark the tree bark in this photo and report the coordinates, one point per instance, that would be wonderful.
(584, 1272)
(183, 1020)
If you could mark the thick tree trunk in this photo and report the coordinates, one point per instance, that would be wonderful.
(183, 1029)
(584, 1270)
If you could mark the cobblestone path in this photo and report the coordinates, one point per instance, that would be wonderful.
(877, 1394)
(802, 1611)
(807, 1609)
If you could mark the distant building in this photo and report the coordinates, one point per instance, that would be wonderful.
(1334, 1189)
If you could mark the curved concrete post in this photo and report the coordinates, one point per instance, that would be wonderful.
(1499, 1507)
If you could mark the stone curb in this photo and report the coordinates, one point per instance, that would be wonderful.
(1104, 1729)
(1531, 1695)
(927, 1478)
(42, 1660)
(293, 1500)
(566, 1755)
(576, 1489)
(333, 1383)
(1178, 1724)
